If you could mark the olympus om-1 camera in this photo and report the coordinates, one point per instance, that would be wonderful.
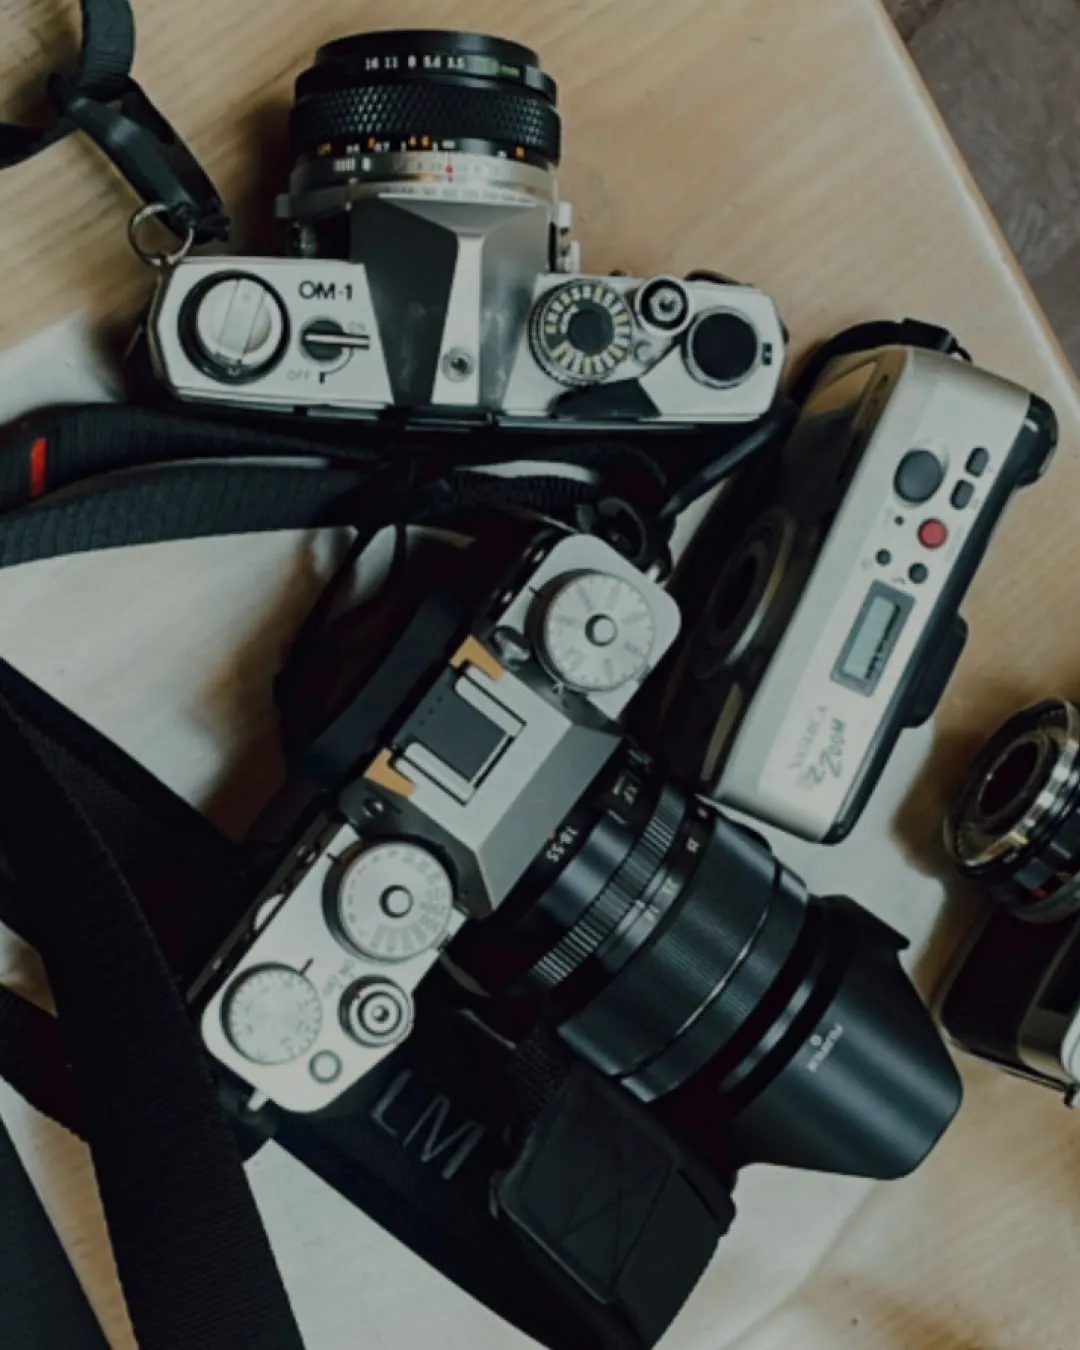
(502, 823)
(834, 624)
(434, 271)
(1013, 996)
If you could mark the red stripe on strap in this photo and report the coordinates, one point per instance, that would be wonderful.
(38, 453)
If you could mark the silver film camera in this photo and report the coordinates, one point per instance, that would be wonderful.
(835, 622)
(434, 271)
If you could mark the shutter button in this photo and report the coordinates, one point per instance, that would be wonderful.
(918, 476)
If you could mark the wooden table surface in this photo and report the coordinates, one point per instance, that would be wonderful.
(786, 142)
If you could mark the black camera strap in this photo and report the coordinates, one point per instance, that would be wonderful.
(101, 99)
(41, 1302)
(126, 891)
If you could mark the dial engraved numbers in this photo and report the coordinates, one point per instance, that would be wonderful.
(272, 1015)
(393, 901)
(582, 332)
(597, 632)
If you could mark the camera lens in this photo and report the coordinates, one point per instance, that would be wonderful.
(673, 952)
(411, 104)
(1015, 825)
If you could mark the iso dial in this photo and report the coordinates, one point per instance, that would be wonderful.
(596, 632)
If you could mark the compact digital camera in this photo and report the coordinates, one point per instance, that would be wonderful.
(1013, 996)
(434, 271)
(834, 623)
(501, 823)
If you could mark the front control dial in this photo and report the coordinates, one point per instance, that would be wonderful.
(235, 327)
(393, 901)
(582, 332)
(272, 1015)
(596, 632)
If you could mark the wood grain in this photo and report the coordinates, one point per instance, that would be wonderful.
(787, 143)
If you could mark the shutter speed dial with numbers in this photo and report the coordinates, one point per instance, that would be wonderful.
(596, 631)
(392, 901)
(582, 332)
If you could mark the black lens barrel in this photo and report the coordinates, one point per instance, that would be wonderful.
(672, 951)
(1014, 827)
(427, 90)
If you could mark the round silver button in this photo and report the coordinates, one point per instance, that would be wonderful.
(597, 631)
(239, 327)
(377, 1012)
(325, 1067)
(392, 901)
(272, 1015)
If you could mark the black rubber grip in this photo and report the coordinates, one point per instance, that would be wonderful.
(441, 111)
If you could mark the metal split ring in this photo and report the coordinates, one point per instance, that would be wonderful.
(159, 259)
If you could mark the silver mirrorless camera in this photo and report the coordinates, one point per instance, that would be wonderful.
(435, 274)
(834, 624)
(317, 985)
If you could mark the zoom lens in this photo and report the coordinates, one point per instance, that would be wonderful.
(446, 112)
(673, 952)
(1015, 825)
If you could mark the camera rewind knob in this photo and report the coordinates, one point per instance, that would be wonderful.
(582, 331)
(236, 325)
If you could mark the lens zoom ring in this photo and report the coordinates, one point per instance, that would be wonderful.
(437, 110)
(623, 890)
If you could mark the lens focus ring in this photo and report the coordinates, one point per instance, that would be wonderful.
(438, 111)
(621, 893)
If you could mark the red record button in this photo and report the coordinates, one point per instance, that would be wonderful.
(932, 533)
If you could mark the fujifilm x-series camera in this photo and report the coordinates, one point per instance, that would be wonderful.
(835, 575)
(434, 272)
(502, 823)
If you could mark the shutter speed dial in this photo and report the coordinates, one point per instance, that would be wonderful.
(392, 901)
(596, 632)
(581, 332)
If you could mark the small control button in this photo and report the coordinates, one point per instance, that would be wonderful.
(978, 462)
(884, 557)
(932, 533)
(918, 572)
(325, 1067)
(919, 476)
(962, 494)
(377, 1012)
(238, 326)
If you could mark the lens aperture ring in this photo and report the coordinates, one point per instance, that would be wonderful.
(630, 880)
(442, 113)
